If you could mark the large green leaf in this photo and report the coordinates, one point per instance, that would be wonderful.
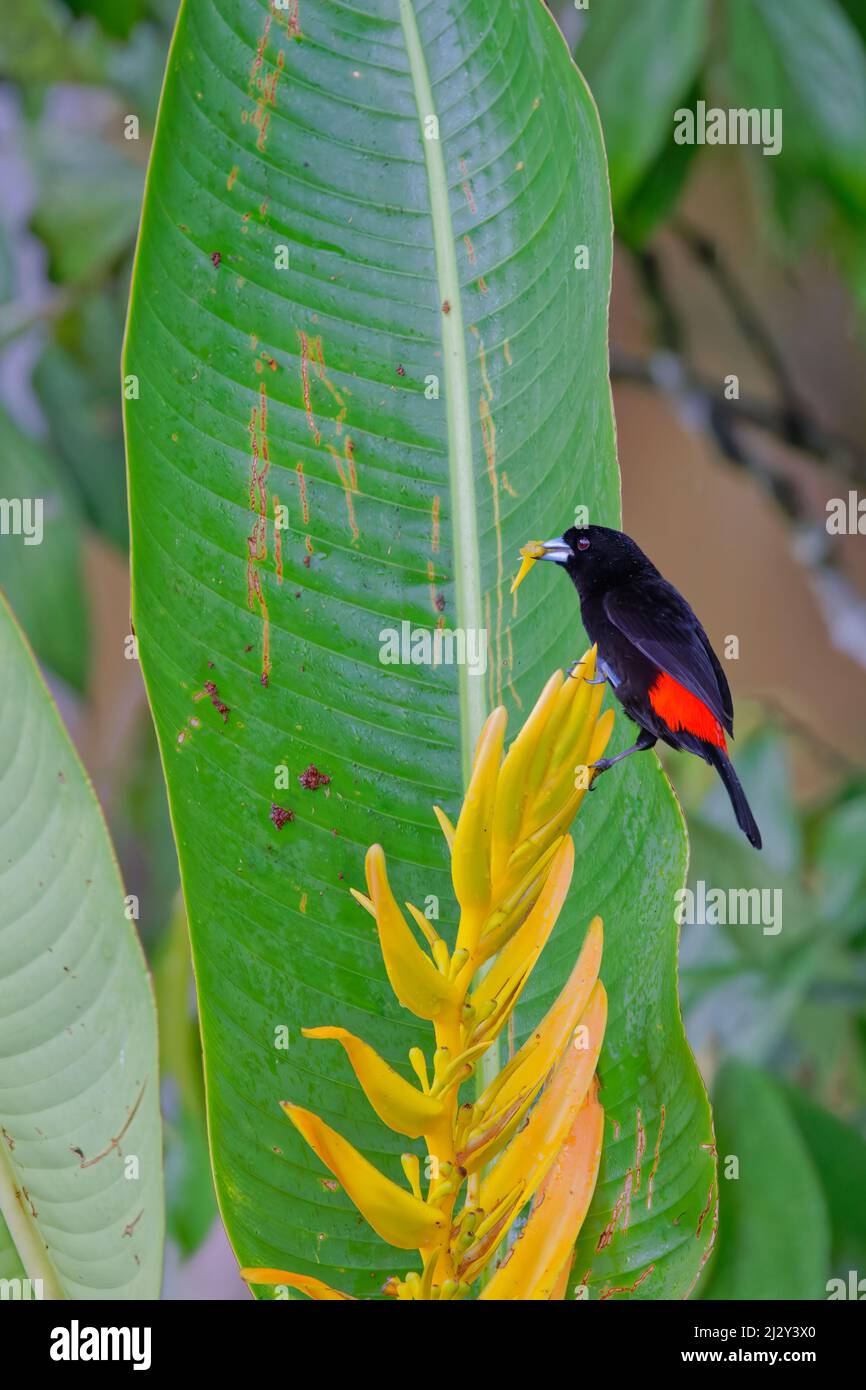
(410, 259)
(80, 1140)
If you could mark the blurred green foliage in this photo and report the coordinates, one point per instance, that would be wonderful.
(807, 57)
(784, 1016)
(190, 1199)
(642, 62)
(76, 380)
(774, 1232)
(43, 582)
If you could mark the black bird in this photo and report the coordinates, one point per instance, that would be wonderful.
(652, 649)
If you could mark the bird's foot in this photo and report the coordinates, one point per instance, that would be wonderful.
(602, 766)
(597, 680)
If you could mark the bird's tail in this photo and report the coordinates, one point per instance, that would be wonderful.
(742, 810)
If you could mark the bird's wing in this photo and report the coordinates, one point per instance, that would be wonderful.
(666, 630)
(724, 688)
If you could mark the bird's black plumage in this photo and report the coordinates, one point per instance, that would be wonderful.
(654, 651)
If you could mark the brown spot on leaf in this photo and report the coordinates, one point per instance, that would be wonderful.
(210, 689)
(706, 1211)
(128, 1230)
(115, 1141)
(311, 778)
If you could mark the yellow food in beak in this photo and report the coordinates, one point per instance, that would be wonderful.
(532, 551)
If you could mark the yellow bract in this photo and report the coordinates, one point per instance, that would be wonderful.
(313, 1288)
(397, 1216)
(534, 1266)
(534, 1132)
(399, 1104)
(545, 1045)
(415, 979)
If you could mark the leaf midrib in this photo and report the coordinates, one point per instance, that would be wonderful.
(24, 1231)
(467, 562)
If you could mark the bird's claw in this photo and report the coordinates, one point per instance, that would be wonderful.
(601, 766)
(597, 680)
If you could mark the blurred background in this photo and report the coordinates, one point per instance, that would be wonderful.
(738, 348)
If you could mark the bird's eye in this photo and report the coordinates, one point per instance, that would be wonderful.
(583, 543)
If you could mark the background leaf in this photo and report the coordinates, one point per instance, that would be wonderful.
(807, 60)
(45, 581)
(75, 380)
(640, 62)
(838, 1152)
(190, 1201)
(79, 1088)
(657, 193)
(761, 1253)
(415, 265)
(88, 201)
(40, 43)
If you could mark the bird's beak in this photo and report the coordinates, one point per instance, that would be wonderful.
(556, 550)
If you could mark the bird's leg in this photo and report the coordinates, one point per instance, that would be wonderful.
(645, 740)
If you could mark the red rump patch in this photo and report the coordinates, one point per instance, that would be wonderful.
(680, 709)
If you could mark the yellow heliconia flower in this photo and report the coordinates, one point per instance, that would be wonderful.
(541, 1138)
(511, 791)
(402, 1106)
(533, 1267)
(519, 955)
(532, 1133)
(396, 1215)
(415, 979)
(470, 853)
(500, 1109)
(543, 1048)
(313, 1288)
(537, 1141)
